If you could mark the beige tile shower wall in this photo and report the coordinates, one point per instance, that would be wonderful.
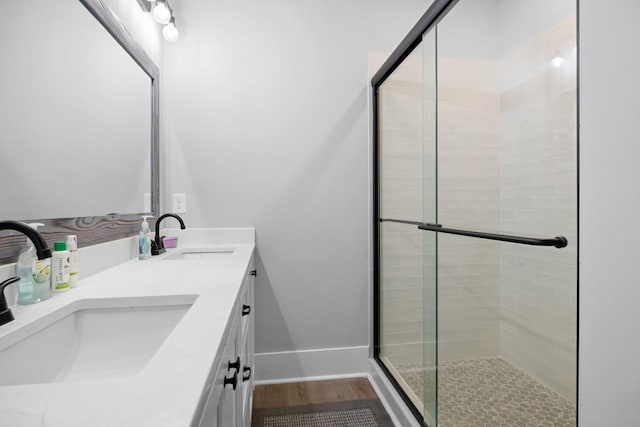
(401, 197)
(538, 197)
(402, 295)
(468, 197)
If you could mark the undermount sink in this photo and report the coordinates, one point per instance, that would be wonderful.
(85, 341)
(199, 253)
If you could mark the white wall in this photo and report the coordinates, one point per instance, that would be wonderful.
(266, 124)
(609, 388)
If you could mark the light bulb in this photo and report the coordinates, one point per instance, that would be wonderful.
(170, 32)
(557, 61)
(161, 12)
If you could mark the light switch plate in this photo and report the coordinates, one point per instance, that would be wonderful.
(179, 203)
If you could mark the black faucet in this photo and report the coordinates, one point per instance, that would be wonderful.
(42, 250)
(6, 315)
(157, 246)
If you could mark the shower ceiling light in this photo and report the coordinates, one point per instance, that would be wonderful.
(170, 32)
(161, 12)
(557, 61)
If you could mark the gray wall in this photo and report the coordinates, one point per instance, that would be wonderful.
(266, 124)
(609, 202)
(253, 141)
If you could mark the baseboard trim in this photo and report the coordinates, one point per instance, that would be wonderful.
(316, 378)
(309, 365)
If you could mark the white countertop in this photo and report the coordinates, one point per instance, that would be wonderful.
(166, 392)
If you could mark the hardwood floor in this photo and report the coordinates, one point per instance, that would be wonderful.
(312, 392)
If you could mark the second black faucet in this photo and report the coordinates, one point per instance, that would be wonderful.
(157, 246)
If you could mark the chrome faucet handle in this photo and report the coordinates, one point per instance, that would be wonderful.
(5, 312)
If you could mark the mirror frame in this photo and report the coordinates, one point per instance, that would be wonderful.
(92, 230)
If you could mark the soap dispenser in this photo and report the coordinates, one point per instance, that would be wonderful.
(144, 239)
(27, 292)
(35, 274)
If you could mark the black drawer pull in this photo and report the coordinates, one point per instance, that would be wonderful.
(246, 309)
(233, 380)
(253, 273)
(234, 365)
(246, 376)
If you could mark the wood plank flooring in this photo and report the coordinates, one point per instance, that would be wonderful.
(312, 392)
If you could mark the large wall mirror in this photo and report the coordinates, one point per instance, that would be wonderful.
(78, 122)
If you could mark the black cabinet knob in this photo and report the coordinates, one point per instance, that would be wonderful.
(246, 309)
(232, 380)
(246, 373)
(234, 365)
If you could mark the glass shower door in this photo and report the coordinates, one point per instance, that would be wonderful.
(507, 138)
(407, 342)
(477, 154)
(430, 240)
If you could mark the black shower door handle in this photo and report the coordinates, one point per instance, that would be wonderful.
(558, 241)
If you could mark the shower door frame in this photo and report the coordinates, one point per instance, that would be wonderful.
(437, 10)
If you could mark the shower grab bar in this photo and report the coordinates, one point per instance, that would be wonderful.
(558, 242)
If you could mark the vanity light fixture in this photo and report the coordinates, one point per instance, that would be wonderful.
(161, 12)
(170, 32)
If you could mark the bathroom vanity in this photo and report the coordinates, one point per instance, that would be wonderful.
(162, 342)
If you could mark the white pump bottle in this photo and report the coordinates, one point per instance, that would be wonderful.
(144, 239)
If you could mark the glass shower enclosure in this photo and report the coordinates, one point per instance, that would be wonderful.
(475, 214)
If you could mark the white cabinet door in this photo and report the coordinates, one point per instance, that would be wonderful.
(227, 406)
(247, 353)
(209, 416)
(220, 410)
(232, 377)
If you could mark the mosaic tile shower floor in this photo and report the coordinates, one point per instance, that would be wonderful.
(492, 393)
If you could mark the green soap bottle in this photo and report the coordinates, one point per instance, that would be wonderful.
(60, 267)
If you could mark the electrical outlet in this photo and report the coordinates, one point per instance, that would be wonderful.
(179, 203)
